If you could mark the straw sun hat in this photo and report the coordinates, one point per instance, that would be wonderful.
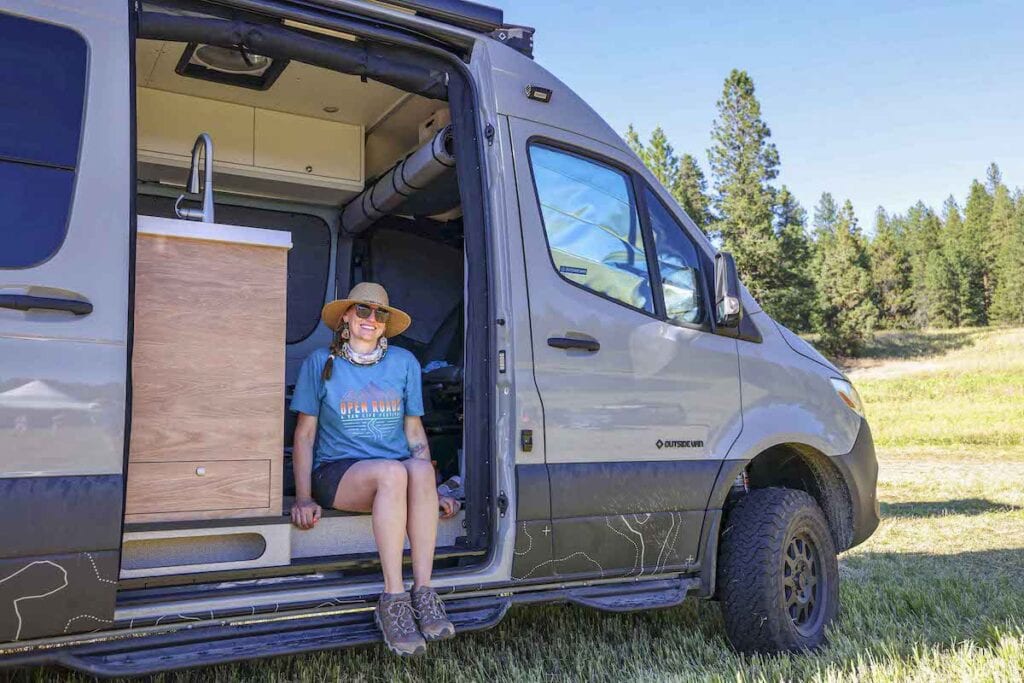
(366, 293)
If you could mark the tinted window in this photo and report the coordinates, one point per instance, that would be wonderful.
(592, 225)
(309, 259)
(678, 264)
(42, 92)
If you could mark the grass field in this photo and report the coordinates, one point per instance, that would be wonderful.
(936, 594)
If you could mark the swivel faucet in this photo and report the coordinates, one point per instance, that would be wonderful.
(204, 143)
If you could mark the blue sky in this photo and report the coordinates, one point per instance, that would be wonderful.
(883, 103)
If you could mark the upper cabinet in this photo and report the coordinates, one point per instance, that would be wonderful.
(255, 151)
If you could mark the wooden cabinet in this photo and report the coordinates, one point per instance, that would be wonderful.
(255, 151)
(168, 124)
(207, 371)
(299, 144)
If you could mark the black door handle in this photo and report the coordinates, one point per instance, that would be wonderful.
(24, 302)
(570, 343)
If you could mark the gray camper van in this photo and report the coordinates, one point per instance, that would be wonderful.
(183, 185)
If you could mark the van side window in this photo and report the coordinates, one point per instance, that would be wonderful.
(42, 94)
(678, 264)
(592, 225)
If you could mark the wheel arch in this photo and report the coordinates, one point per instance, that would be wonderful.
(797, 466)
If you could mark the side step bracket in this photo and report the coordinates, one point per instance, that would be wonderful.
(641, 596)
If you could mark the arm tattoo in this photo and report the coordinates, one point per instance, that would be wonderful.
(419, 450)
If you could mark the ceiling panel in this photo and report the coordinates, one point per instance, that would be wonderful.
(301, 89)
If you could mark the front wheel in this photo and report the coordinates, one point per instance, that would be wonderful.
(778, 577)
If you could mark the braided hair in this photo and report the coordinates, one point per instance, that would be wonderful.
(339, 338)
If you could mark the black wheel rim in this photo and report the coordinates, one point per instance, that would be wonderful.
(803, 583)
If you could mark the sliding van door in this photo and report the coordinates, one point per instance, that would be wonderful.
(641, 399)
(65, 140)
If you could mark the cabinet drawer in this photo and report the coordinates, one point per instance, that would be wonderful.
(197, 486)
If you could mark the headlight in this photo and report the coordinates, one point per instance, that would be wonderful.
(848, 394)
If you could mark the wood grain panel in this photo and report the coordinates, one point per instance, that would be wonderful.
(176, 487)
(208, 361)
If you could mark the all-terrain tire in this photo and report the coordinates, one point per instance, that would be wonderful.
(778, 578)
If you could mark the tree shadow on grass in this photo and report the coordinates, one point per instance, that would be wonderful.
(963, 506)
(915, 344)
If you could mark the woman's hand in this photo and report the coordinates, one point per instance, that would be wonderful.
(449, 506)
(305, 513)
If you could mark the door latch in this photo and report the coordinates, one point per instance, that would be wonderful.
(502, 503)
(526, 440)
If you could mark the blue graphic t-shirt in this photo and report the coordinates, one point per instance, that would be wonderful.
(361, 409)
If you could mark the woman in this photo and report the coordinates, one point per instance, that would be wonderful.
(360, 403)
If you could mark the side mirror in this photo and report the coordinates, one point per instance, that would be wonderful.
(728, 310)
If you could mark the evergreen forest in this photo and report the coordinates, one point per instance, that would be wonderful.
(822, 273)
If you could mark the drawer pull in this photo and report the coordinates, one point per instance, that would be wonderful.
(200, 471)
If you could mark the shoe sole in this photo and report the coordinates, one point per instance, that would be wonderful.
(444, 635)
(415, 653)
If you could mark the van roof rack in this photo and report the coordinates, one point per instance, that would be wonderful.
(473, 16)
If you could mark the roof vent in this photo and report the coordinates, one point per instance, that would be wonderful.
(229, 65)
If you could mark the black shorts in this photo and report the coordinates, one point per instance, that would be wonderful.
(327, 476)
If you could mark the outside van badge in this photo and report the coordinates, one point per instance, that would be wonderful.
(691, 443)
(572, 270)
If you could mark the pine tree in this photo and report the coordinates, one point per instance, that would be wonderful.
(1008, 297)
(890, 272)
(682, 177)
(973, 285)
(633, 140)
(1001, 223)
(924, 233)
(954, 262)
(661, 159)
(793, 299)
(691, 191)
(826, 216)
(940, 290)
(743, 164)
(993, 178)
(845, 314)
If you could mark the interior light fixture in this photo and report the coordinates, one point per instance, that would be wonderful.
(229, 65)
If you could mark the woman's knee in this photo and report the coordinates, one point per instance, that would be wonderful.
(391, 475)
(419, 471)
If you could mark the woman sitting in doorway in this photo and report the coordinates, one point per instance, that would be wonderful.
(360, 402)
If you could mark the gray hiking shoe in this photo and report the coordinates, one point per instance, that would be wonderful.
(395, 619)
(430, 613)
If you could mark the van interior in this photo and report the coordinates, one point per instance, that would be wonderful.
(329, 160)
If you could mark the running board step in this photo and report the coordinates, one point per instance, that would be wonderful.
(205, 646)
(642, 595)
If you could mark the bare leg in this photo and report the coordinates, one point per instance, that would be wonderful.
(379, 486)
(423, 516)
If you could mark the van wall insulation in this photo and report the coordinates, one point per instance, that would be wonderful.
(410, 175)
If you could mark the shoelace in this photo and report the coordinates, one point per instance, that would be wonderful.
(401, 615)
(434, 607)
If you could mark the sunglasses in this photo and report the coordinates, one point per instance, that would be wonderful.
(363, 311)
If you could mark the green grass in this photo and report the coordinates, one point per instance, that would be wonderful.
(936, 594)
